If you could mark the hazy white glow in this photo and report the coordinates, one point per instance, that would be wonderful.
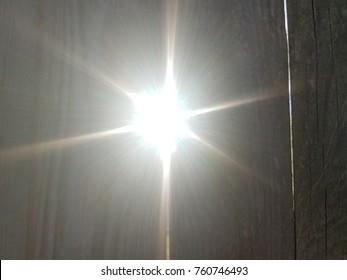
(159, 120)
(61, 143)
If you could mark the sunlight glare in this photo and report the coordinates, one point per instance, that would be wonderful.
(159, 120)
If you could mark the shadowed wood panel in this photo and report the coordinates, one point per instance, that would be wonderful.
(318, 53)
(238, 207)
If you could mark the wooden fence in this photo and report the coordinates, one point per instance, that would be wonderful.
(275, 189)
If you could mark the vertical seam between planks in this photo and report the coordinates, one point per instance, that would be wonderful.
(290, 123)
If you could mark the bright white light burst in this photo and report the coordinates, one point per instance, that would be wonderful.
(159, 120)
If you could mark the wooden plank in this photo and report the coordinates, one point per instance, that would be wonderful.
(226, 51)
(93, 200)
(318, 54)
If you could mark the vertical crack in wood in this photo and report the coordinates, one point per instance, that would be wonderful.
(316, 65)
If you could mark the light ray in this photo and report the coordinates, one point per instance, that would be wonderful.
(171, 24)
(28, 150)
(169, 93)
(210, 146)
(220, 153)
(228, 105)
(27, 29)
(164, 223)
(106, 79)
(89, 69)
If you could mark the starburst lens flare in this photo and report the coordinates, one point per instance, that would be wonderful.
(159, 120)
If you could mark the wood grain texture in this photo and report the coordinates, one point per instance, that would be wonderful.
(318, 53)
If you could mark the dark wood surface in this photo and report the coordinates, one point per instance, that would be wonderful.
(318, 53)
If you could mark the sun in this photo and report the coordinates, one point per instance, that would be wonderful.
(159, 120)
